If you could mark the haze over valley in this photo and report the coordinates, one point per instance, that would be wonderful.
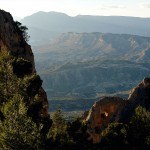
(86, 57)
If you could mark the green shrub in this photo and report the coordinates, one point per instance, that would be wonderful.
(22, 67)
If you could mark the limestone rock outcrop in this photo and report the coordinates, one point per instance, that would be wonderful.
(110, 109)
(102, 112)
(139, 95)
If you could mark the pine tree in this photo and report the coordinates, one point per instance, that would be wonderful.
(139, 129)
(58, 133)
(114, 137)
(8, 81)
(18, 131)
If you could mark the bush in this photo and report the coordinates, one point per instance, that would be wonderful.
(22, 30)
(22, 67)
(18, 131)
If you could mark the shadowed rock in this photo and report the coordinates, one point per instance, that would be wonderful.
(110, 109)
(11, 38)
(102, 112)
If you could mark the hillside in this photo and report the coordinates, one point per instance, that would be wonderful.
(88, 65)
(53, 23)
(13, 39)
(100, 63)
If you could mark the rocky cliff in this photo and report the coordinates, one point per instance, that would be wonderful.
(139, 95)
(102, 112)
(110, 109)
(13, 39)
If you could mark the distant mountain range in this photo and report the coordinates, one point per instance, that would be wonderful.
(45, 25)
(89, 65)
(86, 57)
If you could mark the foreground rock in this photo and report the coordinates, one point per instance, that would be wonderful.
(110, 109)
(102, 112)
(140, 95)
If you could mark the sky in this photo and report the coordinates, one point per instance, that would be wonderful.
(22, 8)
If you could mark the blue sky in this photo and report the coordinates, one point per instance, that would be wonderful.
(22, 8)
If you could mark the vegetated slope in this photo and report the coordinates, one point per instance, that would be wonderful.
(13, 38)
(88, 65)
(53, 23)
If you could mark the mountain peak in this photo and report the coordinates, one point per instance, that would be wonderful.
(47, 14)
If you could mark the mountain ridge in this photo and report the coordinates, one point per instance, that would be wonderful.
(59, 23)
(97, 62)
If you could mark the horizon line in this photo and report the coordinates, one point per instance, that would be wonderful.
(77, 15)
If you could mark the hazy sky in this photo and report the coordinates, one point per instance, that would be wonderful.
(22, 8)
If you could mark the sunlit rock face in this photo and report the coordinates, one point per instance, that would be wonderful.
(102, 112)
(110, 109)
(12, 40)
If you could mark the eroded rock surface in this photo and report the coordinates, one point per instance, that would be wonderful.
(102, 112)
(109, 109)
(139, 95)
